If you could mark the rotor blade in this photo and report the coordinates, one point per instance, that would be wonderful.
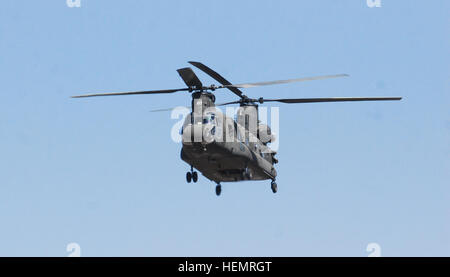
(250, 85)
(216, 76)
(168, 109)
(216, 105)
(189, 78)
(228, 103)
(331, 99)
(131, 93)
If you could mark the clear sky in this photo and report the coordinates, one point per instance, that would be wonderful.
(105, 174)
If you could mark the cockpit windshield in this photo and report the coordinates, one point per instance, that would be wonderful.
(209, 118)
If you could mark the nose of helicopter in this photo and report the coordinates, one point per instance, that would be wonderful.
(198, 134)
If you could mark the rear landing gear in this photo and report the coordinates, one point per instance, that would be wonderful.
(191, 175)
(218, 189)
(274, 186)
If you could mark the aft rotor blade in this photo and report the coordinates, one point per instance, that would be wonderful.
(216, 76)
(332, 99)
(229, 103)
(131, 93)
(277, 82)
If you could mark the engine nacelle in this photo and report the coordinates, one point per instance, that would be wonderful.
(265, 134)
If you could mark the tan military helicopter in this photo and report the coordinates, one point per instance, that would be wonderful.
(224, 149)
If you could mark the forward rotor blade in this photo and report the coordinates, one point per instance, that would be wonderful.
(216, 76)
(168, 109)
(251, 85)
(332, 99)
(131, 93)
(189, 78)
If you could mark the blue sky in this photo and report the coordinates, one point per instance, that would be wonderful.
(104, 173)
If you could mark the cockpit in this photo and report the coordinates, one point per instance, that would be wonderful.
(209, 118)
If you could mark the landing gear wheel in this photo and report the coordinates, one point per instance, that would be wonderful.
(218, 190)
(188, 177)
(194, 176)
(274, 187)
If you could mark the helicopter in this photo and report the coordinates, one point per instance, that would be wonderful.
(226, 149)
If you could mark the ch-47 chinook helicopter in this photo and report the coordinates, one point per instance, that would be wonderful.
(224, 149)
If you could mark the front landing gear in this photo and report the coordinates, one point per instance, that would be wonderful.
(218, 189)
(274, 186)
(191, 175)
(188, 177)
